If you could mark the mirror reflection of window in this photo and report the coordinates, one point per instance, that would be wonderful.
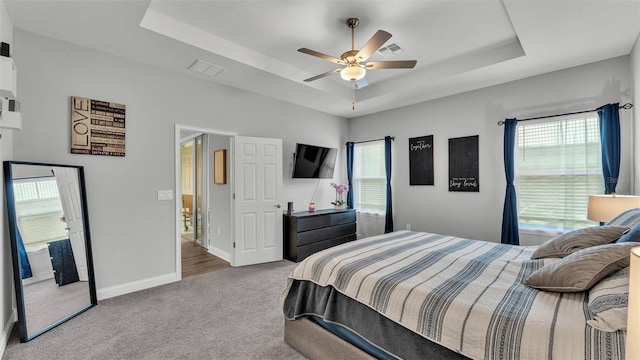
(39, 211)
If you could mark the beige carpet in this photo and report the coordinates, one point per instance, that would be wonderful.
(228, 314)
(46, 302)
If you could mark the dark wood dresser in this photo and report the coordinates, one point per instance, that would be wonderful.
(308, 232)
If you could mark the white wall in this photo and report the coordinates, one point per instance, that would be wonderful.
(479, 215)
(7, 314)
(132, 232)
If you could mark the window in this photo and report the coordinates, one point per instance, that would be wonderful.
(39, 211)
(369, 177)
(35, 190)
(558, 165)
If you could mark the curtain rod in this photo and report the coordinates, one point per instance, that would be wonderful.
(393, 138)
(626, 106)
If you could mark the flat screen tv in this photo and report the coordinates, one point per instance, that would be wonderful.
(314, 162)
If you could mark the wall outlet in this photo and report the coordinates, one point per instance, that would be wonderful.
(165, 194)
(408, 227)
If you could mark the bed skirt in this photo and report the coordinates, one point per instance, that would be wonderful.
(314, 342)
(359, 326)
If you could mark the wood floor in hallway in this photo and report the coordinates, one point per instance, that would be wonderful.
(196, 260)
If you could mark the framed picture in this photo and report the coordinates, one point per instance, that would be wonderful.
(421, 160)
(97, 127)
(220, 166)
(463, 164)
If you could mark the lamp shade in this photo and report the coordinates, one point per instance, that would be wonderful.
(603, 208)
(633, 315)
(352, 73)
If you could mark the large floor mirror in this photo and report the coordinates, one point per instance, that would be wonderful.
(50, 244)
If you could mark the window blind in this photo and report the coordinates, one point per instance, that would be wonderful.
(34, 190)
(558, 166)
(39, 211)
(369, 179)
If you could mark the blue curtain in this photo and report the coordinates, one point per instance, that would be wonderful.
(25, 266)
(350, 174)
(510, 233)
(610, 142)
(388, 222)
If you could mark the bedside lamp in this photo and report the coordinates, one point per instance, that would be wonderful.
(603, 208)
(633, 315)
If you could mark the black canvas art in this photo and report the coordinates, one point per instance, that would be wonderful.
(463, 164)
(421, 160)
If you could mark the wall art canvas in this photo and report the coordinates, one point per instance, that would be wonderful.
(97, 127)
(463, 164)
(220, 166)
(421, 160)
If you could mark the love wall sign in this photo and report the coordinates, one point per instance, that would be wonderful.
(97, 127)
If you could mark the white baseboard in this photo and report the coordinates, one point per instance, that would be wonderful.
(37, 278)
(133, 286)
(6, 332)
(219, 253)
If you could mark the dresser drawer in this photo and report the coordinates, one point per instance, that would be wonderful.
(312, 236)
(309, 232)
(316, 222)
(306, 250)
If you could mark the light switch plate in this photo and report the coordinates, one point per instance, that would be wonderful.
(165, 194)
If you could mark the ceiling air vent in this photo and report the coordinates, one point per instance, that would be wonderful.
(204, 67)
(389, 50)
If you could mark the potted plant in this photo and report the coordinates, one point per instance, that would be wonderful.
(341, 189)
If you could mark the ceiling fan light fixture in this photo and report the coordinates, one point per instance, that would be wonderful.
(353, 73)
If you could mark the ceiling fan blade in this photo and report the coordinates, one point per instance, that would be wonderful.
(321, 55)
(392, 64)
(376, 41)
(322, 75)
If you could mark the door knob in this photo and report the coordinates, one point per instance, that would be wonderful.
(278, 206)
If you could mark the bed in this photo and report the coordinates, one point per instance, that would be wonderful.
(417, 295)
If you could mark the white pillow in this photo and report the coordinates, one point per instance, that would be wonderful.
(608, 301)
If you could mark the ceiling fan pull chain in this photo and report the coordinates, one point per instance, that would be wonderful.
(353, 101)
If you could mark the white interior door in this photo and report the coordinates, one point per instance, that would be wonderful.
(257, 205)
(69, 189)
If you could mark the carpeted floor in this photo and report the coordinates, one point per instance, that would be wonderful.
(45, 302)
(228, 314)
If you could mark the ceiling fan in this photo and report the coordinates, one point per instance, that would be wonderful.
(354, 61)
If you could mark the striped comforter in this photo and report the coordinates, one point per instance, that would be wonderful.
(466, 295)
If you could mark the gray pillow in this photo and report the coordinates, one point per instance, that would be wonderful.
(567, 243)
(582, 269)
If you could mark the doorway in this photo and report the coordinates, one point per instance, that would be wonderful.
(243, 225)
(191, 194)
(203, 214)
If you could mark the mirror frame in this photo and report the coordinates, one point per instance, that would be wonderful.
(13, 235)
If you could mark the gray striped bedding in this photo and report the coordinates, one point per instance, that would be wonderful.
(465, 295)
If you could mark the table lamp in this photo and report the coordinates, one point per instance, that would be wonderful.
(633, 315)
(603, 208)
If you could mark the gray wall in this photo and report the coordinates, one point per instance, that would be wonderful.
(479, 215)
(219, 196)
(133, 233)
